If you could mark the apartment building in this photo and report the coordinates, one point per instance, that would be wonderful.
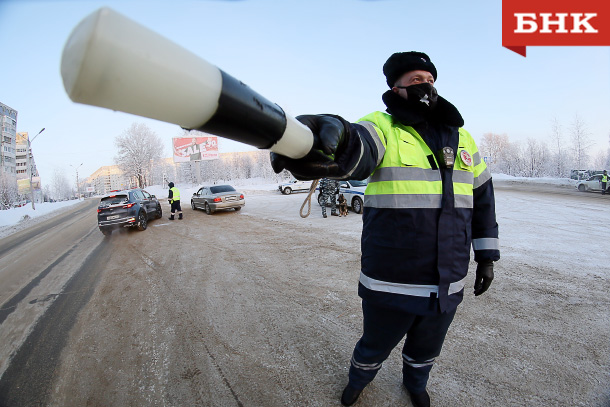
(21, 157)
(108, 178)
(8, 140)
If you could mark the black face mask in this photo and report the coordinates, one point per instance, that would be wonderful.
(422, 96)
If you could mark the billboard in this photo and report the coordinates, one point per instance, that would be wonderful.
(195, 148)
(36, 182)
(24, 186)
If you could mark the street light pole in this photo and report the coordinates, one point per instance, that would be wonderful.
(30, 167)
(77, 185)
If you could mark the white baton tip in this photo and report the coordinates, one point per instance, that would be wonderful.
(296, 141)
(113, 62)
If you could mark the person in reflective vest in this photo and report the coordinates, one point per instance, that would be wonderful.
(604, 182)
(429, 199)
(174, 201)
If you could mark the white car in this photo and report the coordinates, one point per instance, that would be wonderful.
(293, 186)
(353, 191)
(593, 183)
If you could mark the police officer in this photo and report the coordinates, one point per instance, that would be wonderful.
(328, 191)
(604, 182)
(174, 201)
(429, 198)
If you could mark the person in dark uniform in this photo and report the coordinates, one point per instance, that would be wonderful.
(328, 192)
(429, 199)
(174, 201)
(604, 182)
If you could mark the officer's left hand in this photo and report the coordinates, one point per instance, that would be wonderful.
(484, 276)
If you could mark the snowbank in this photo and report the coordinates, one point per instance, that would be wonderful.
(16, 215)
(543, 180)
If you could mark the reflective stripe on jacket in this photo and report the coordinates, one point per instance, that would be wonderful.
(418, 217)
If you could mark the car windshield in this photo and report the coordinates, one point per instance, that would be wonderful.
(356, 183)
(221, 188)
(113, 200)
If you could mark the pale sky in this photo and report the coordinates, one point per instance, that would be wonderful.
(314, 56)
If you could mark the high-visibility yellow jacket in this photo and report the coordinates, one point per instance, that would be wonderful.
(420, 218)
(174, 194)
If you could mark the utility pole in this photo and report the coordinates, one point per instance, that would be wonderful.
(30, 167)
(77, 185)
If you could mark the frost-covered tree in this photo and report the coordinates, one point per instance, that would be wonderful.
(494, 146)
(138, 148)
(606, 165)
(536, 158)
(60, 186)
(600, 160)
(560, 166)
(8, 190)
(581, 142)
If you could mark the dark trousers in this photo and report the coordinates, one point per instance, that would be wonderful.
(603, 188)
(383, 330)
(175, 206)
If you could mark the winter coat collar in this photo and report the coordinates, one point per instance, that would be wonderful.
(444, 112)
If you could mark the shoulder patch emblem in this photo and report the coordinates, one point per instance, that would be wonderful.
(466, 158)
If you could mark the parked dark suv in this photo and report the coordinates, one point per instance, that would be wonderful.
(128, 208)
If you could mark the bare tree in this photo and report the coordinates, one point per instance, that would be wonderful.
(581, 142)
(139, 147)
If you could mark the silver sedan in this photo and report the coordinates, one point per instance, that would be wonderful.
(217, 197)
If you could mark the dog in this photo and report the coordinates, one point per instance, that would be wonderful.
(342, 205)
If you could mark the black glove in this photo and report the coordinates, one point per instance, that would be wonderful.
(484, 277)
(330, 136)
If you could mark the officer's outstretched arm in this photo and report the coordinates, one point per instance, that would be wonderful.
(340, 150)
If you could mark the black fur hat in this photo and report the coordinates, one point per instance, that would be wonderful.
(171, 185)
(401, 62)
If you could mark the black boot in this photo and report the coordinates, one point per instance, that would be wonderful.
(180, 215)
(350, 395)
(420, 399)
(171, 217)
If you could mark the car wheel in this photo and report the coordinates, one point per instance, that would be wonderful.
(106, 232)
(357, 204)
(208, 210)
(193, 205)
(142, 221)
(159, 212)
(287, 191)
(582, 188)
(238, 208)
